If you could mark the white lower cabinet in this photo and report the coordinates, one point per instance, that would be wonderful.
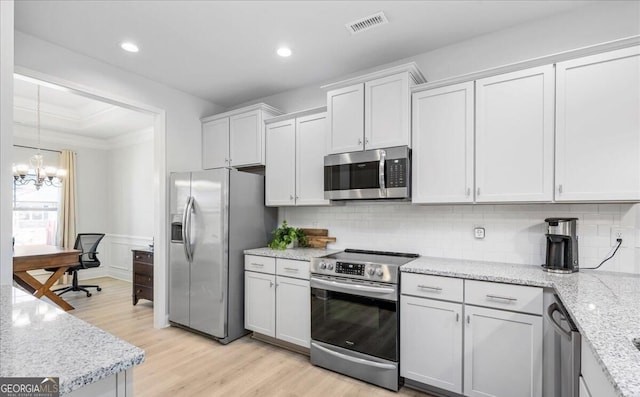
(277, 300)
(260, 303)
(467, 349)
(293, 313)
(431, 347)
(502, 353)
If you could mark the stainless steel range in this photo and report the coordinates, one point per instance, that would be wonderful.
(354, 314)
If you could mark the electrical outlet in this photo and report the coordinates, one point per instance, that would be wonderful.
(620, 233)
(478, 232)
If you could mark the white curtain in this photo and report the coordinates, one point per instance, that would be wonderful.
(67, 221)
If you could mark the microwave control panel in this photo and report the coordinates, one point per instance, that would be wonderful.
(356, 269)
(396, 173)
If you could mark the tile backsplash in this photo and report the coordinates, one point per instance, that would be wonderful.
(514, 233)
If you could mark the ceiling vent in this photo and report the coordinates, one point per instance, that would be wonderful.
(366, 23)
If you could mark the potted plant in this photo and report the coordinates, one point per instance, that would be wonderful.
(287, 237)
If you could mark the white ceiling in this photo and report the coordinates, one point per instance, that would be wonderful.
(224, 51)
(69, 113)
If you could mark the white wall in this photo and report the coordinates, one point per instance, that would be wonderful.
(514, 233)
(585, 26)
(6, 138)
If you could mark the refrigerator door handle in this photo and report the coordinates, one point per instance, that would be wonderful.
(184, 228)
(188, 247)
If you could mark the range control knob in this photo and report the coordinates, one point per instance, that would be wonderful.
(379, 272)
(330, 266)
(371, 271)
(323, 265)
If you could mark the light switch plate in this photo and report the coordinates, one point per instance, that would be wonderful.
(478, 232)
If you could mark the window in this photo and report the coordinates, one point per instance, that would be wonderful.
(35, 214)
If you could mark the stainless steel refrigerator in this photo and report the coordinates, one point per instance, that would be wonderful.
(215, 216)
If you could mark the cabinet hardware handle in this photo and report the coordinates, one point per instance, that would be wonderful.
(468, 319)
(477, 191)
(457, 317)
(430, 287)
(270, 284)
(291, 269)
(291, 197)
(359, 141)
(257, 264)
(501, 297)
(468, 191)
(560, 189)
(366, 141)
(297, 197)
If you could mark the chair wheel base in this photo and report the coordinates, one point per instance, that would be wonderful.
(88, 294)
(99, 289)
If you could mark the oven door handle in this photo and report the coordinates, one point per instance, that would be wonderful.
(354, 287)
(554, 307)
(354, 359)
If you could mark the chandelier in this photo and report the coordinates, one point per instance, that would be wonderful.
(36, 171)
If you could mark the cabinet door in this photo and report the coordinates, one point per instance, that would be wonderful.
(215, 143)
(246, 137)
(387, 112)
(311, 137)
(293, 311)
(345, 110)
(280, 170)
(502, 353)
(443, 145)
(260, 303)
(597, 127)
(514, 136)
(431, 348)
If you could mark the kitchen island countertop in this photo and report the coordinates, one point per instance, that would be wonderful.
(300, 254)
(39, 340)
(603, 304)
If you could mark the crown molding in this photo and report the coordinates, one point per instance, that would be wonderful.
(412, 68)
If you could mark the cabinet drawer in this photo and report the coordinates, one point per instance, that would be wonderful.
(143, 280)
(143, 256)
(142, 268)
(263, 264)
(143, 292)
(518, 298)
(292, 268)
(445, 288)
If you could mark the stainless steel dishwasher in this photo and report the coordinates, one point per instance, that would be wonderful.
(567, 351)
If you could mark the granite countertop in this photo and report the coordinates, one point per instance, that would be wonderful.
(300, 254)
(38, 339)
(604, 306)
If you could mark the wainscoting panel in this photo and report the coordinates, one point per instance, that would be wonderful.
(117, 249)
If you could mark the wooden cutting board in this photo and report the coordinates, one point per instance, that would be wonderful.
(318, 238)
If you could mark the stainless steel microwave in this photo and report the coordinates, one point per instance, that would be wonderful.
(367, 175)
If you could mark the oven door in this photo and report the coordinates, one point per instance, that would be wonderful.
(355, 315)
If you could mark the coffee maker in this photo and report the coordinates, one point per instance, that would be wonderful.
(562, 245)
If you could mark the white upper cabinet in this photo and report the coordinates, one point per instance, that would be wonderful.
(294, 172)
(598, 127)
(280, 171)
(371, 111)
(387, 112)
(514, 136)
(311, 137)
(345, 107)
(443, 145)
(215, 143)
(244, 142)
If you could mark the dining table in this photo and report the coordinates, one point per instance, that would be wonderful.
(37, 257)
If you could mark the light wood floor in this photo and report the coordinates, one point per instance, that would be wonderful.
(180, 363)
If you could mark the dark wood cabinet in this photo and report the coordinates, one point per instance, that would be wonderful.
(142, 275)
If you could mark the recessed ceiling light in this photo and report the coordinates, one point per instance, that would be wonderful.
(129, 46)
(284, 52)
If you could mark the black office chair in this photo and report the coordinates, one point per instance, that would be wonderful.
(88, 244)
